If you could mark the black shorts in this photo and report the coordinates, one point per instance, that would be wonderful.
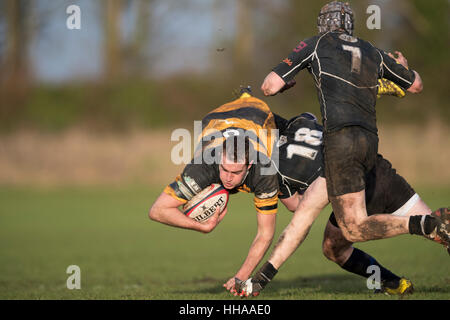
(350, 153)
(386, 190)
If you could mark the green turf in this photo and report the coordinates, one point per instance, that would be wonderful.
(124, 255)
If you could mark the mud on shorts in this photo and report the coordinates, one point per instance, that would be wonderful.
(386, 191)
(350, 154)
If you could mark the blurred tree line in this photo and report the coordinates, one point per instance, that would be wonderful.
(128, 94)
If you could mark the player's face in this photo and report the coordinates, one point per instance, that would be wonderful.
(231, 173)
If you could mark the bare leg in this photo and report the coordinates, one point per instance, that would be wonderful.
(334, 246)
(309, 207)
(339, 250)
(356, 226)
(419, 208)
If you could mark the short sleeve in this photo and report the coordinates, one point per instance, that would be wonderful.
(195, 178)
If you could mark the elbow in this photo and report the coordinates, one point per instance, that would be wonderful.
(291, 208)
(420, 88)
(290, 205)
(417, 86)
(153, 213)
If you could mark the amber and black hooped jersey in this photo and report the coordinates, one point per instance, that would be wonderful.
(246, 115)
(300, 157)
(345, 70)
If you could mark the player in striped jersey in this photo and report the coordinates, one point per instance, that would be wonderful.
(234, 150)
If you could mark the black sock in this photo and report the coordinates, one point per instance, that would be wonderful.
(359, 261)
(422, 225)
(265, 274)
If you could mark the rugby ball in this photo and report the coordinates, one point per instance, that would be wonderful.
(203, 205)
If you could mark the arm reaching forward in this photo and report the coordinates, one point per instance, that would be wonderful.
(259, 246)
(311, 204)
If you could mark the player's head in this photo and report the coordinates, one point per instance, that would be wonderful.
(335, 15)
(235, 162)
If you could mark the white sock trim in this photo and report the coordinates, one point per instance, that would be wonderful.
(421, 224)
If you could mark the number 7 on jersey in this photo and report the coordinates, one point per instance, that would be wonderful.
(356, 57)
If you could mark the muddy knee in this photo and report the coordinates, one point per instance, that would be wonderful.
(334, 244)
(352, 234)
(350, 213)
(327, 248)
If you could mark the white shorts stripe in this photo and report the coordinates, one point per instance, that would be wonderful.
(403, 211)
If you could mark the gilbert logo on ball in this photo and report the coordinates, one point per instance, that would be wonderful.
(202, 206)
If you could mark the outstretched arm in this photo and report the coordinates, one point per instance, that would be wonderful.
(314, 200)
(258, 248)
(165, 210)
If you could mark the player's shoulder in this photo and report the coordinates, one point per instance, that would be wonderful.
(313, 38)
(280, 122)
(245, 100)
(245, 107)
(244, 112)
(200, 174)
(194, 178)
(369, 46)
(306, 45)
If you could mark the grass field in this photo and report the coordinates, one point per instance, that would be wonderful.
(124, 255)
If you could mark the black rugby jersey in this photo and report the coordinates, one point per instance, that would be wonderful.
(300, 157)
(345, 70)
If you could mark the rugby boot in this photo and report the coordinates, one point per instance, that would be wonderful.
(392, 288)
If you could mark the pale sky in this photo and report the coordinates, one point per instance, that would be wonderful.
(181, 38)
